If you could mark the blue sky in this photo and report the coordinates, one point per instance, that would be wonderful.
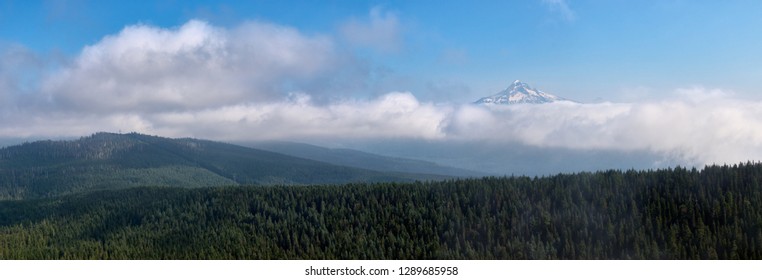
(579, 49)
(678, 80)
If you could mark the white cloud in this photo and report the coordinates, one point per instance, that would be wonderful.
(695, 126)
(149, 69)
(394, 115)
(66, 124)
(203, 81)
(562, 8)
(381, 31)
(710, 129)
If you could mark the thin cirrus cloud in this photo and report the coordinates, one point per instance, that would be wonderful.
(204, 81)
(20, 72)
(561, 7)
(381, 31)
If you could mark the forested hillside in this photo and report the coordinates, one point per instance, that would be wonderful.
(666, 214)
(113, 161)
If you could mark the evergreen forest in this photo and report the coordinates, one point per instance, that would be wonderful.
(676, 213)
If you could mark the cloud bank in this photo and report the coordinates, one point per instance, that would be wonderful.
(252, 82)
(151, 69)
(694, 131)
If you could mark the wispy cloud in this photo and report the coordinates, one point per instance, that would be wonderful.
(454, 57)
(381, 31)
(561, 7)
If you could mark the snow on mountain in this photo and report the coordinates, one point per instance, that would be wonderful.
(520, 93)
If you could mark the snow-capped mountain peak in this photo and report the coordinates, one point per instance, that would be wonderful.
(519, 93)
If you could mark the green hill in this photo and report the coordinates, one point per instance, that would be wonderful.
(359, 159)
(111, 161)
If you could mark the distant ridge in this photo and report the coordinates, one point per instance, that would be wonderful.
(364, 160)
(113, 161)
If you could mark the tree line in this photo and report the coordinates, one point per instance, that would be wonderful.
(675, 213)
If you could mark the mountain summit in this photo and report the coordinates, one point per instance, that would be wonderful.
(520, 93)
